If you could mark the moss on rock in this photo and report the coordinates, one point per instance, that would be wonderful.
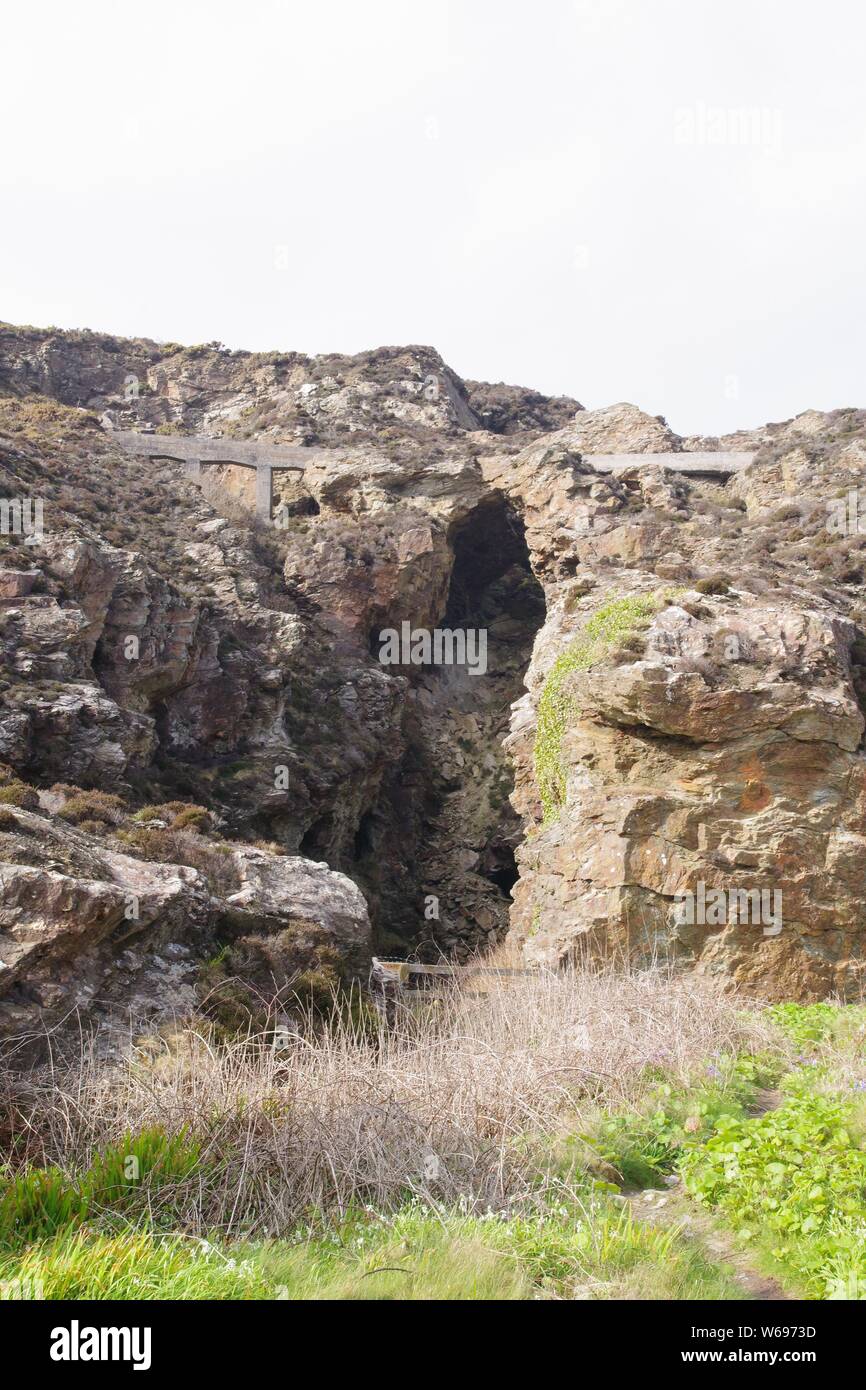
(607, 627)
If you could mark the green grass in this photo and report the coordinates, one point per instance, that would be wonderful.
(556, 707)
(125, 1179)
(86, 1264)
(790, 1183)
(570, 1251)
(65, 1244)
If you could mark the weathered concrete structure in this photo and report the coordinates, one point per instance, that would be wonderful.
(195, 450)
(719, 463)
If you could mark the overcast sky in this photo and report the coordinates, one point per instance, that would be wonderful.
(661, 201)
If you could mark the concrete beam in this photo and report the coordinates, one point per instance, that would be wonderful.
(720, 461)
(252, 454)
(264, 491)
(248, 453)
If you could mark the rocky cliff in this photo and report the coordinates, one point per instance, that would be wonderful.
(201, 745)
(693, 727)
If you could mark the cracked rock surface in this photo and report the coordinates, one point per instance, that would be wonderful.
(673, 690)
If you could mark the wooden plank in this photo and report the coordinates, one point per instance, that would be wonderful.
(457, 970)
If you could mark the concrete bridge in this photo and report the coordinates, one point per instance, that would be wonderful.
(721, 463)
(195, 450)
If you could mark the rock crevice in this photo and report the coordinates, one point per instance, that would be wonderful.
(673, 693)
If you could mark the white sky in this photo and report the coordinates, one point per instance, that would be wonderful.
(554, 193)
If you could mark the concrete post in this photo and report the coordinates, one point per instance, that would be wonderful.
(263, 491)
(192, 469)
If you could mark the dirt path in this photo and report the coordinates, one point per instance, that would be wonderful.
(673, 1206)
(765, 1100)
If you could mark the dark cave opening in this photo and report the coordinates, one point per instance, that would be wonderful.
(488, 544)
(436, 852)
(500, 867)
(364, 843)
(316, 843)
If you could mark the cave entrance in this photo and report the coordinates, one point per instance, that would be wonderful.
(492, 578)
(436, 854)
(499, 865)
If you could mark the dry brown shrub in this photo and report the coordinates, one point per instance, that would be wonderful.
(463, 1100)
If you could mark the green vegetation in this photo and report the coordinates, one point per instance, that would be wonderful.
(714, 584)
(14, 792)
(90, 809)
(84, 1264)
(255, 977)
(177, 815)
(792, 1181)
(348, 1160)
(808, 1024)
(573, 1249)
(647, 1143)
(37, 1203)
(783, 1168)
(609, 625)
(587, 1246)
(19, 794)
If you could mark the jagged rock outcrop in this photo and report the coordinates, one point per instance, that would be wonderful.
(682, 664)
(71, 915)
(158, 644)
(88, 931)
(390, 396)
(696, 711)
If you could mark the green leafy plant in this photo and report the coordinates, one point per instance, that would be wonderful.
(795, 1175)
(805, 1024)
(647, 1143)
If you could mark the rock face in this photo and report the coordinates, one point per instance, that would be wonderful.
(274, 887)
(71, 916)
(158, 644)
(696, 714)
(671, 697)
(391, 395)
(85, 930)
